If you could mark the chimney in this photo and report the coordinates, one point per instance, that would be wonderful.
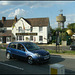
(3, 19)
(15, 19)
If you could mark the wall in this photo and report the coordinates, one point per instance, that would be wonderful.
(8, 28)
(44, 33)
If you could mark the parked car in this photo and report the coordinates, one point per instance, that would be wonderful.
(27, 50)
(72, 46)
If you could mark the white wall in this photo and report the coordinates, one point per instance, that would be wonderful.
(44, 33)
(8, 28)
(20, 24)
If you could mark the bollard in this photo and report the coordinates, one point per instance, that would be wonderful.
(57, 69)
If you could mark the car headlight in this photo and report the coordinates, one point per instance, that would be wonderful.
(37, 54)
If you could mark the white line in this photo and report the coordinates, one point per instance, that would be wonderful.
(11, 66)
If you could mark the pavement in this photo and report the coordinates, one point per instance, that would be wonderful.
(49, 45)
(63, 55)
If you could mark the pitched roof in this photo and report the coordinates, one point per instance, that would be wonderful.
(7, 33)
(38, 21)
(32, 21)
(7, 23)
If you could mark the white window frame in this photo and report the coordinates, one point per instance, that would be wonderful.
(31, 39)
(19, 29)
(0, 39)
(18, 38)
(8, 39)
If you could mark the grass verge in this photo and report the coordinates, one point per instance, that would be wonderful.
(69, 52)
(2, 47)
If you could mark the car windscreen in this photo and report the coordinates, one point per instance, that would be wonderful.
(31, 46)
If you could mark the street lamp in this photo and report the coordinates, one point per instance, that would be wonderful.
(57, 39)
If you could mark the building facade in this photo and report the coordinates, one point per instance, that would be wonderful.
(35, 30)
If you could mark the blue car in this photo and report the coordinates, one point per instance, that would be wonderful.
(27, 50)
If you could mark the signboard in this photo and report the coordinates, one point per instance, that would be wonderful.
(26, 33)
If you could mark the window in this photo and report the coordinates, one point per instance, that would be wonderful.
(17, 37)
(40, 29)
(13, 46)
(20, 38)
(31, 29)
(0, 38)
(31, 46)
(20, 47)
(40, 38)
(8, 39)
(19, 29)
(31, 38)
(27, 38)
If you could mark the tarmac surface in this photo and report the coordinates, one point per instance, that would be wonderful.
(15, 66)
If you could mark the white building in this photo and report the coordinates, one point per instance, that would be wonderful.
(35, 30)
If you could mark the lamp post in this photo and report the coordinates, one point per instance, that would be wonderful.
(57, 39)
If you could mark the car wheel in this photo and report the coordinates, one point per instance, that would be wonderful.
(8, 56)
(30, 60)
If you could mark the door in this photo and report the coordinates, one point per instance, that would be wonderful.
(13, 49)
(4, 39)
(21, 51)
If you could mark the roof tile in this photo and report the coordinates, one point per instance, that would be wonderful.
(32, 21)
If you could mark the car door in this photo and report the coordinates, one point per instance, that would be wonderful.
(13, 49)
(21, 51)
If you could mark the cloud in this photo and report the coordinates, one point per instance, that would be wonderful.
(45, 4)
(70, 18)
(18, 12)
(7, 10)
(10, 2)
(4, 3)
(35, 4)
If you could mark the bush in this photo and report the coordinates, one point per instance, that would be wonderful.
(53, 41)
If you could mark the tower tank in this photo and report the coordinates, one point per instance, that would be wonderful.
(61, 19)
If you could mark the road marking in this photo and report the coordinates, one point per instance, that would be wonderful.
(12, 66)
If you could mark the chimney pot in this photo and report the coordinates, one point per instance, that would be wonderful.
(3, 19)
(15, 18)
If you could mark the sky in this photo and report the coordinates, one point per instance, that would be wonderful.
(39, 9)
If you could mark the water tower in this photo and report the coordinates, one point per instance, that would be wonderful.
(61, 19)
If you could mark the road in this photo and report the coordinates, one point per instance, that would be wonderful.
(15, 66)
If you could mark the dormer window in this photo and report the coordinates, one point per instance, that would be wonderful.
(19, 29)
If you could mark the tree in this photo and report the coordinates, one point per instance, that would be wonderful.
(71, 26)
(63, 36)
(52, 31)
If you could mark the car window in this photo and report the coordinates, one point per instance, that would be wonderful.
(9, 45)
(12, 46)
(31, 46)
(20, 47)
